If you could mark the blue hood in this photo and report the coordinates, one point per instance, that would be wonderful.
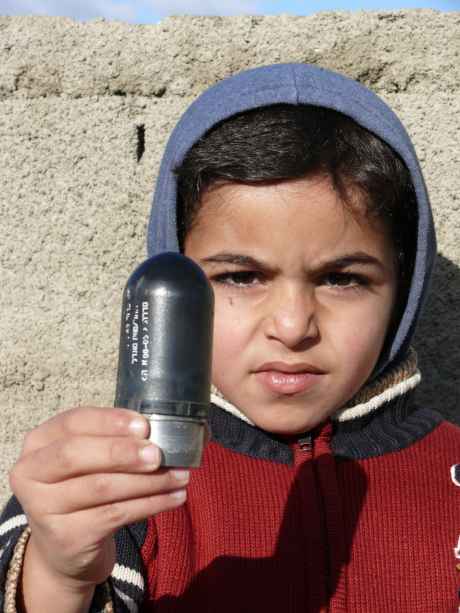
(299, 84)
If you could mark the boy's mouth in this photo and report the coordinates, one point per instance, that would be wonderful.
(284, 378)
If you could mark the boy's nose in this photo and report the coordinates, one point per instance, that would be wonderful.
(291, 318)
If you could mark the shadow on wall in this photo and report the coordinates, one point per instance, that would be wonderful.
(438, 342)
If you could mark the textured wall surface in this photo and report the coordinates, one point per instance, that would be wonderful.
(76, 176)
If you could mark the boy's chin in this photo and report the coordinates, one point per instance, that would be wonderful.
(285, 425)
(283, 417)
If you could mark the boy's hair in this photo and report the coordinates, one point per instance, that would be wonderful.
(283, 142)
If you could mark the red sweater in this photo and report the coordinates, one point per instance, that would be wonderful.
(323, 533)
(365, 521)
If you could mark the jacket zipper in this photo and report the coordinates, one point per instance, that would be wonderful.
(303, 449)
(306, 443)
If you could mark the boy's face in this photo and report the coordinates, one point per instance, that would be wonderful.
(304, 294)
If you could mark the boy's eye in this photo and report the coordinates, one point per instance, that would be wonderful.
(241, 278)
(343, 279)
(244, 279)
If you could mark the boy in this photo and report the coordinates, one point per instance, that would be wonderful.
(323, 488)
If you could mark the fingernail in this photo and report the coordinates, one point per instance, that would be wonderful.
(138, 427)
(179, 495)
(150, 455)
(181, 475)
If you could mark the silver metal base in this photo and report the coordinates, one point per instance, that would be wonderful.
(180, 440)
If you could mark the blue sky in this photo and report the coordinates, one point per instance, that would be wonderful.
(151, 11)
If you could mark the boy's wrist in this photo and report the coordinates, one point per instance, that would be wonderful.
(40, 586)
(75, 586)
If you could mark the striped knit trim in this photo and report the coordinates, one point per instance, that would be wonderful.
(218, 398)
(12, 523)
(397, 382)
(129, 603)
(390, 394)
(129, 575)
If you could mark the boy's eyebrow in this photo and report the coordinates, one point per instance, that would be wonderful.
(357, 257)
(233, 258)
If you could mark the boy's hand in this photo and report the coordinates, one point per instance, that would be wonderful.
(79, 478)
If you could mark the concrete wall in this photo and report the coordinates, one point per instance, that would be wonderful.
(75, 190)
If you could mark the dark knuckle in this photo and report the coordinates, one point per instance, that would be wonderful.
(113, 515)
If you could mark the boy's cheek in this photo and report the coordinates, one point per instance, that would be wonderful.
(225, 351)
(232, 332)
(366, 325)
(362, 342)
(359, 354)
(226, 341)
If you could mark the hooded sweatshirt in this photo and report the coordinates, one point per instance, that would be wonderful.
(362, 513)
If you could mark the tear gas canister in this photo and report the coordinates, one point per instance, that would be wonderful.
(164, 367)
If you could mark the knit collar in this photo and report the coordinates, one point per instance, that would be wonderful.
(389, 386)
(392, 384)
(381, 418)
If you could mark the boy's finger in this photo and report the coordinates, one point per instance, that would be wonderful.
(103, 488)
(93, 525)
(93, 421)
(81, 455)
